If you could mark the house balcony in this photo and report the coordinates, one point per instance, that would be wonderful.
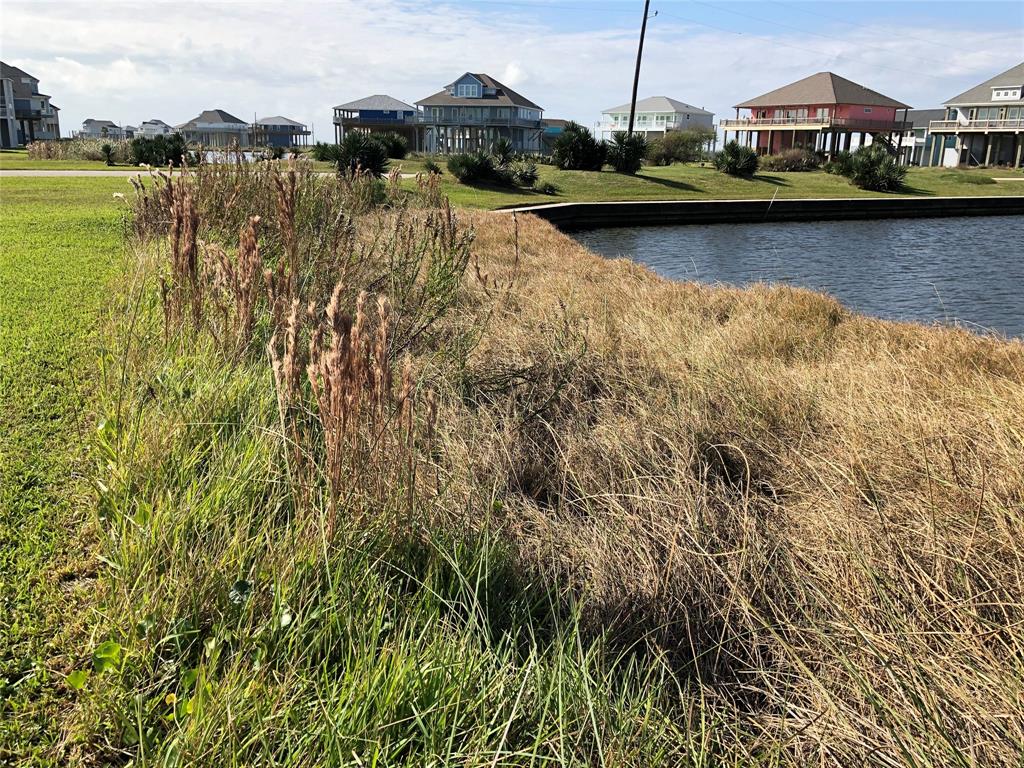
(352, 118)
(816, 124)
(679, 125)
(1015, 125)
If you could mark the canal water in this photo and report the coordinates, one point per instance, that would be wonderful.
(965, 271)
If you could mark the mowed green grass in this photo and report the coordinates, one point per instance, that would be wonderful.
(693, 182)
(18, 160)
(60, 243)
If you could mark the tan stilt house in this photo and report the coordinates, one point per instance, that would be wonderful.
(824, 113)
(984, 125)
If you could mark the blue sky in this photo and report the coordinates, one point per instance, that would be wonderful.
(129, 61)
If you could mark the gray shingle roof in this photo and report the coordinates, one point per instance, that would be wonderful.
(921, 117)
(982, 93)
(823, 88)
(378, 102)
(504, 96)
(660, 104)
(279, 120)
(100, 123)
(21, 90)
(215, 116)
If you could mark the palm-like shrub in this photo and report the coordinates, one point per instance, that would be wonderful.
(361, 151)
(841, 164)
(736, 160)
(396, 146)
(324, 152)
(576, 149)
(471, 167)
(108, 154)
(525, 173)
(503, 151)
(626, 152)
(874, 168)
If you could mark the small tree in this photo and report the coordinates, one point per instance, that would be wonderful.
(680, 146)
(576, 149)
(108, 154)
(159, 150)
(736, 160)
(360, 150)
(626, 152)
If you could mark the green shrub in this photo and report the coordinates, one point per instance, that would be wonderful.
(547, 188)
(503, 152)
(576, 149)
(159, 150)
(626, 152)
(736, 160)
(327, 153)
(396, 146)
(525, 173)
(361, 151)
(679, 146)
(108, 154)
(431, 167)
(874, 168)
(792, 160)
(841, 164)
(471, 167)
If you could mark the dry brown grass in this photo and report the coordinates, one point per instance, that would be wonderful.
(819, 515)
(811, 517)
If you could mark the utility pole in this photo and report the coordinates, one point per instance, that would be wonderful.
(639, 56)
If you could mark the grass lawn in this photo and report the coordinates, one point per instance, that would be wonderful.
(690, 182)
(59, 245)
(18, 160)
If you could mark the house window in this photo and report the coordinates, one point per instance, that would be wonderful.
(867, 110)
(468, 90)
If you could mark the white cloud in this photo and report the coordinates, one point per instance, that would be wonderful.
(130, 61)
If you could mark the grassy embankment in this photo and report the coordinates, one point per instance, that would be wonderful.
(60, 245)
(594, 517)
(675, 182)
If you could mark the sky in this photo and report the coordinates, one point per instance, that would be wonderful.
(132, 61)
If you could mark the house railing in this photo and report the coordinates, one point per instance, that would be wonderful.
(758, 123)
(947, 126)
(677, 125)
(353, 117)
(428, 119)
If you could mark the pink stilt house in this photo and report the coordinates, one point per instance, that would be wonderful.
(821, 113)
